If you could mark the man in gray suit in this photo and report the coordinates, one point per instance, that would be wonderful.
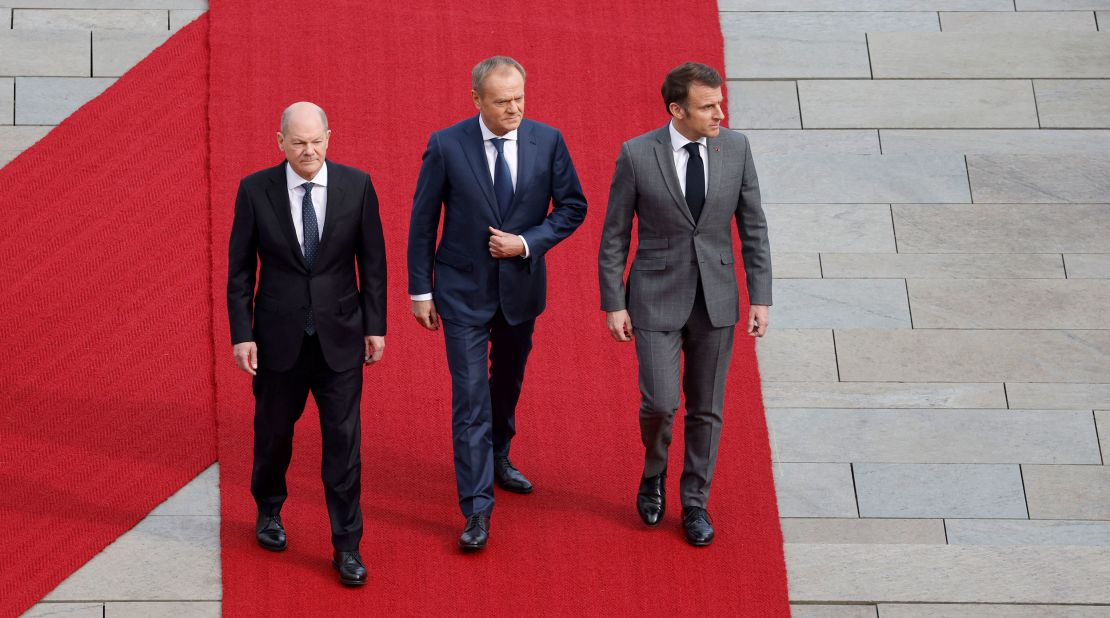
(682, 295)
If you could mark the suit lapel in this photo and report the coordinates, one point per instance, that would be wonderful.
(716, 164)
(665, 155)
(335, 207)
(278, 194)
(475, 151)
(525, 160)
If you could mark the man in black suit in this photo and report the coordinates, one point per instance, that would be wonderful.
(313, 322)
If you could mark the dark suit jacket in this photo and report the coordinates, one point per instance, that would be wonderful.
(467, 282)
(344, 311)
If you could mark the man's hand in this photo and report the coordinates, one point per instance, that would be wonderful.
(246, 356)
(620, 325)
(425, 313)
(757, 320)
(504, 245)
(375, 347)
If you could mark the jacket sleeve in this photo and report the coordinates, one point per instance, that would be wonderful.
(242, 264)
(424, 221)
(752, 225)
(370, 253)
(616, 234)
(568, 200)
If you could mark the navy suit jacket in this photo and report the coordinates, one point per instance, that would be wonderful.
(468, 284)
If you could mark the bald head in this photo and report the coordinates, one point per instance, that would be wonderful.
(304, 138)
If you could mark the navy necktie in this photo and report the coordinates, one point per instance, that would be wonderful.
(311, 243)
(502, 179)
(695, 180)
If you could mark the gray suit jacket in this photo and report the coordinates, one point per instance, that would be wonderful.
(674, 250)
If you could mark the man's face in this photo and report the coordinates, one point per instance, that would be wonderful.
(305, 143)
(501, 100)
(702, 114)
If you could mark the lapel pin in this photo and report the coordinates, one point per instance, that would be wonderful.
(716, 149)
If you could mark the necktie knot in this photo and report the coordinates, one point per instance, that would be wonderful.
(308, 187)
(693, 149)
(499, 144)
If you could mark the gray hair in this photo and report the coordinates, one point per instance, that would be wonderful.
(285, 115)
(489, 65)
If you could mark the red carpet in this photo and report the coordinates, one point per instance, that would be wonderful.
(388, 74)
(107, 394)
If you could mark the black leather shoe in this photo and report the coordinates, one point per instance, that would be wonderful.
(476, 533)
(699, 528)
(351, 570)
(509, 478)
(269, 532)
(651, 502)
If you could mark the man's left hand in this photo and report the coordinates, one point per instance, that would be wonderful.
(504, 244)
(375, 347)
(757, 320)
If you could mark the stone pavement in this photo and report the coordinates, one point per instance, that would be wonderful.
(937, 378)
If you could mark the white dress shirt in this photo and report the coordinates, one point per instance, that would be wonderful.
(682, 157)
(509, 147)
(293, 184)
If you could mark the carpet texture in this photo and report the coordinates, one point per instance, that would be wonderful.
(388, 75)
(108, 404)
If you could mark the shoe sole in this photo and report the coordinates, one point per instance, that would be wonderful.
(347, 582)
(699, 543)
(514, 489)
(271, 547)
(471, 548)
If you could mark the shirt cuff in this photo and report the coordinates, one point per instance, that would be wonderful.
(427, 296)
(526, 252)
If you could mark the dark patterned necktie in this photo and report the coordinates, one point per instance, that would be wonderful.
(311, 244)
(695, 180)
(502, 179)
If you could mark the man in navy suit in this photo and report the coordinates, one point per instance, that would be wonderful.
(494, 178)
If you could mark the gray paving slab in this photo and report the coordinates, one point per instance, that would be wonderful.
(1082, 265)
(7, 100)
(939, 490)
(952, 610)
(1102, 421)
(44, 52)
(1103, 20)
(786, 265)
(114, 53)
(1010, 303)
(966, 103)
(182, 18)
(938, 55)
(865, 5)
(112, 4)
(973, 355)
(882, 395)
(866, 531)
(162, 558)
(995, 141)
(1081, 103)
(1019, 532)
(1039, 179)
(201, 496)
(806, 228)
(1058, 396)
(857, 179)
(947, 573)
(943, 266)
(176, 609)
(814, 489)
(833, 611)
(1059, 5)
(1031, 21)
(770, 141)
(5, 18)
(1068, 492)
(841, 303)
(756, 55)
(934, 436)
(19, 138)
(66, 610)
(797, 356)
(801, 23)
(1002, 228)
(94, 19)
(50, 100)
(763, 105)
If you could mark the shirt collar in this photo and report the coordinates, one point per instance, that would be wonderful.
(678, 140)
(292, 180)
(488, 135)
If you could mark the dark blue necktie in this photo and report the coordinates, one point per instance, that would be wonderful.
(502, 179)
(695, 180)
(311, 244)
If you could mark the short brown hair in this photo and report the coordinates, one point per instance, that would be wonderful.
(676, 86)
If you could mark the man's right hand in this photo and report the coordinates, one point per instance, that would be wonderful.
(425, 313)
(246, 356)
(620, 325)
